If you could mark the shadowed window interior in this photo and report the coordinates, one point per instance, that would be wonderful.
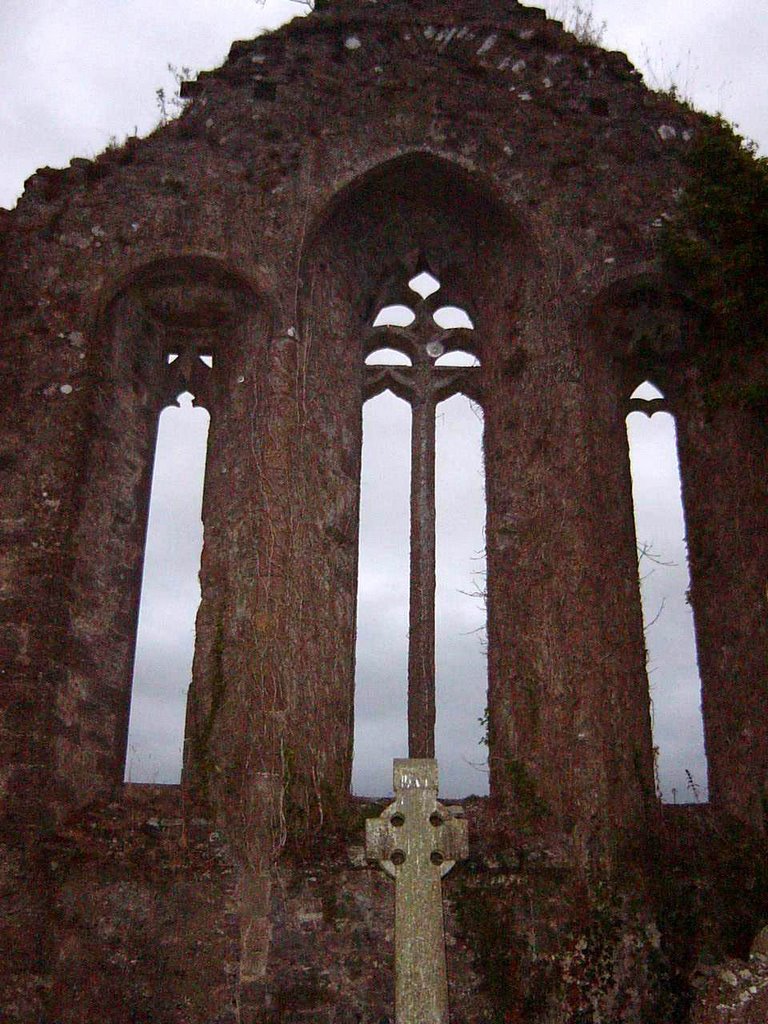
(670, 637)
(170, 595)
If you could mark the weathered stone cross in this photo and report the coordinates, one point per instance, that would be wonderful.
(417, 840)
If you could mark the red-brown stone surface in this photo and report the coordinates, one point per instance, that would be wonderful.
(306, 180)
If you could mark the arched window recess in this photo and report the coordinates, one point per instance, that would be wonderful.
(194, 312)
(183, 371)
(183, 386)
(170, 589)
(174, 326)
(669, 626)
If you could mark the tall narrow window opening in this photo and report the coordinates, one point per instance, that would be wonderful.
(402, 351)
(670, 638)
(170, 595)
(461, 654)
(381, 676)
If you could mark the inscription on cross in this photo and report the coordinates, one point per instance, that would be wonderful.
(417, 840)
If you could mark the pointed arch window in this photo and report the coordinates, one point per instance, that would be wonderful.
(670, 634)
(425, 354)
(381, 656)
(461, 650)
(170, 590)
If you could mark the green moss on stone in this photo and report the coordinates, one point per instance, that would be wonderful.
(716, 248)
(522, 786)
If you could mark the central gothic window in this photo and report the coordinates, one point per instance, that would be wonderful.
(425, 356)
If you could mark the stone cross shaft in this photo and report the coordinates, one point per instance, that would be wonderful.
(417, 840)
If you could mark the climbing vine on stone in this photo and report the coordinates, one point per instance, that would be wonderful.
(717, 244)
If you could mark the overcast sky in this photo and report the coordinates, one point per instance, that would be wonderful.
(77, 73)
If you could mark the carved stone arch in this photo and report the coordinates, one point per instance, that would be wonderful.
(187, 301)
(418, 211)
(642, 329)
(187, 305)
(565, 534)
(415, 212)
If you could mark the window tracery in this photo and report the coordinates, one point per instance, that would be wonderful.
(188, 364)
(431, 331)
(170, 588)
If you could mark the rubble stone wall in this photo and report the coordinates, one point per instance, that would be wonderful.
(307, 178)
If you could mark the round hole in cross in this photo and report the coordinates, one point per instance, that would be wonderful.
(398, 858)
(435, 819)
(397, 820)
(436, 857)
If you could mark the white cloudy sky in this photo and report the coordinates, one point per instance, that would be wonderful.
(76, 73)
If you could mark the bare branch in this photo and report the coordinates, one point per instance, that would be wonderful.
(656, 617)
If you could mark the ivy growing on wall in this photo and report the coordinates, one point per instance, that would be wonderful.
(716, 247)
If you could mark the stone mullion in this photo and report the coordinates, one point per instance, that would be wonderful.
(423, 385)
(421, 648)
